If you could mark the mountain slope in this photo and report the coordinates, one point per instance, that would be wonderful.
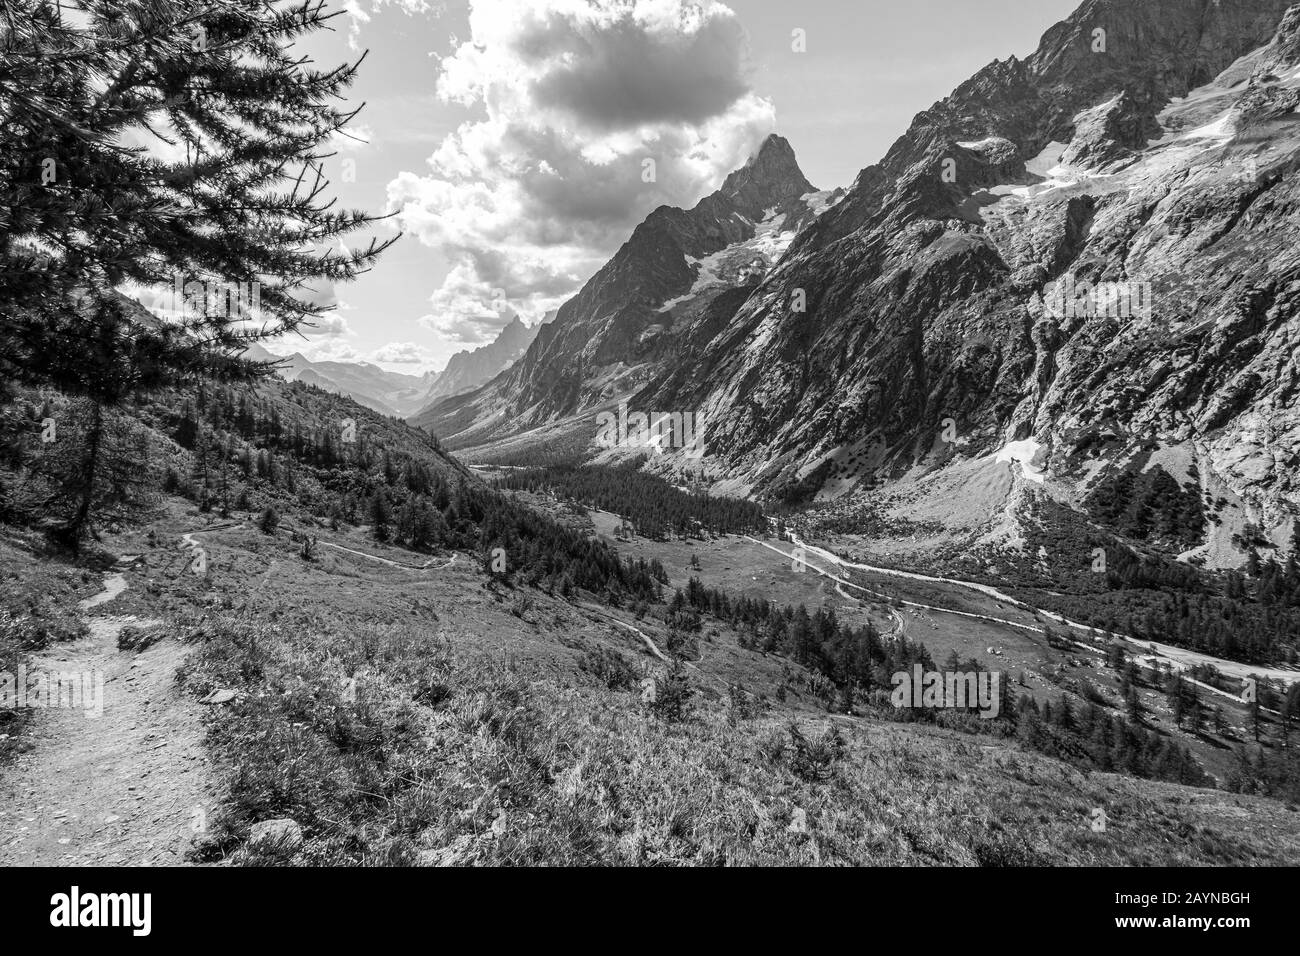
(398, 394)
(1163, 166)
(1077, 268)
(646, 304)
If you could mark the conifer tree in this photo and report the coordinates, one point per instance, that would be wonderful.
(229, 206)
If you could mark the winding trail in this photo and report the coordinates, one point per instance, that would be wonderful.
(131, 786)
(649, 643)
(654, 648)
(427, 566)
(844, 582)
(900, 623)
(125, 788)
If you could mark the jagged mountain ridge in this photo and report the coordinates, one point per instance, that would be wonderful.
(925, 297)
(643, 305)
(390, 393)
(470, 368)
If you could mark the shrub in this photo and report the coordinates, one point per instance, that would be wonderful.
(609, 667)
(814, 760)
(672, 700)
(269, 521)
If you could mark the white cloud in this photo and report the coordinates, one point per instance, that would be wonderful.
(402, 353)
(317, 350)
(529, 200)
(154, 145)
(331, 350)
(468, 309)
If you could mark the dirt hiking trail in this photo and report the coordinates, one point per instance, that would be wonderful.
(127, 788)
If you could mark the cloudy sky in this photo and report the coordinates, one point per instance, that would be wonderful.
(510, 137)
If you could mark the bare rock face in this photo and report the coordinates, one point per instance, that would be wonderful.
(1151, 175)
(1284, 50)
(1108, 134)
(471, 368)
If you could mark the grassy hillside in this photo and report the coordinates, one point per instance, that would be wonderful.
(38, 609)
(417, 668)
(435, 716)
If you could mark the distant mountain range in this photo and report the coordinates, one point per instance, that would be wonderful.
(384, 391)
(399, 394)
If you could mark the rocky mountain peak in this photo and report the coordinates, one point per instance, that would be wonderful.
(770, 177)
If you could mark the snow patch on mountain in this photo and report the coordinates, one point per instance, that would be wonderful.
(1028, 454)
(752, 258)
(819, 202)
(1220, 130)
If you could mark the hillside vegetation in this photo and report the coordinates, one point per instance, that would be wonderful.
(403, 699)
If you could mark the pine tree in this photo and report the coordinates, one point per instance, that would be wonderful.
(1133, 705)
(83, 215)
(269, 521)
(379, 515)
(1064, 715)
(237, 224)
(1177, 700)
(1009, 709)
(98, 464)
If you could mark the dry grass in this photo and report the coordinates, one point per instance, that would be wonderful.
(439, 760)
(38, 607)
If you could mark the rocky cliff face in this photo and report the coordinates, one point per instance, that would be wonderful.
(1092, 251)
(469, 369)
